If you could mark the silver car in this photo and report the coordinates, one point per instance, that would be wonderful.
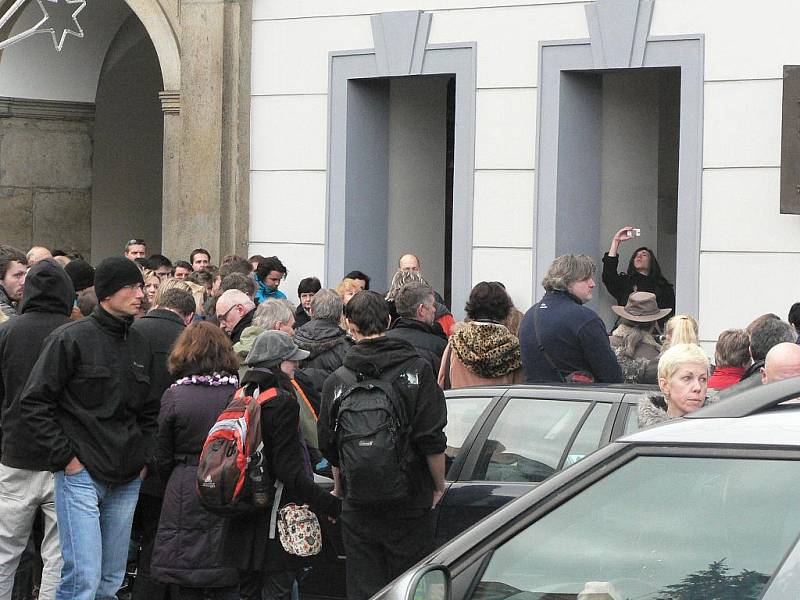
(706, 507)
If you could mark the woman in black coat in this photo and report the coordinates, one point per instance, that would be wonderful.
(268, 571)
(190, 544)
(643, 275)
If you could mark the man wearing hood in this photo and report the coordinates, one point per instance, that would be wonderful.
(89, 404)
(382, 540)
(26, 484)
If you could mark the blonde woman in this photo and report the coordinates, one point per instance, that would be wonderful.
(680, 329)
(683, 381)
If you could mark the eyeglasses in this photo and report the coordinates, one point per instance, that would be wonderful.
(224, 316)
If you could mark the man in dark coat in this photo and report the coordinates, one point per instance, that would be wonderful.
(46, 305)
(322, 336)
(88, 402)
(161, 327)
(559, 336)
(416, 309)
(383, 540)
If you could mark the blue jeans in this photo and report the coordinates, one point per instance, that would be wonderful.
(94, 527)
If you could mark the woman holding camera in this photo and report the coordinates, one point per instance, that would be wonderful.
(643, 274)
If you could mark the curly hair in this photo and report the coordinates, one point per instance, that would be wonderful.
(488, 300)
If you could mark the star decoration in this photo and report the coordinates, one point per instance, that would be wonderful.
(60, 31)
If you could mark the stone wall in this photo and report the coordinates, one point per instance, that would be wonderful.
(46, 174)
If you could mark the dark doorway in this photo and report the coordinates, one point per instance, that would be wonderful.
(618, 151)
(399, 176)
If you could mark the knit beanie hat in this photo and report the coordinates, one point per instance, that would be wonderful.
(113, 274)
(81, 273)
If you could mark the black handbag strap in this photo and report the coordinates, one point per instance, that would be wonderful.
(539, 341)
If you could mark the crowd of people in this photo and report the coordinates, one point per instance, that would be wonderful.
(112, 377)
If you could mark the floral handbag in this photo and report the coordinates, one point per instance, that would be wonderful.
(299, 530)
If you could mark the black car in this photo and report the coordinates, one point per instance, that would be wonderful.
(502, 443)
(702, 507)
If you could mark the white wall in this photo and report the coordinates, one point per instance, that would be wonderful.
(417, 168)
(747, 246)
(291, 42)
(748, 249)
(32, 68)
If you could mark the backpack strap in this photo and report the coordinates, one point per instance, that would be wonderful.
(304, 398)
(266, 395)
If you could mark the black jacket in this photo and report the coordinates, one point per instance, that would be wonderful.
(46, 305)
(574, 338)
(89, 396)
(160, 327)
(244, 322)
(300, 317)
(289, 463)
(622, 285)
(398, 362)
(190, 544)
(328, 343)
(429, 343)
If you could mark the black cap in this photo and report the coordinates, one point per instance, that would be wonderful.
(81, 273)
(113, 274)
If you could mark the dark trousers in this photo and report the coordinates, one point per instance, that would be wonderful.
(148, 511)
(382, 545)
(223, 593)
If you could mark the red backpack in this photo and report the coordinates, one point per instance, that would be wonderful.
(232, 477)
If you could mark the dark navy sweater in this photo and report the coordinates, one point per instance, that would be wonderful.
(573, 336)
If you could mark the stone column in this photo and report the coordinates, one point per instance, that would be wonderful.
(202, 55)
(171, 215)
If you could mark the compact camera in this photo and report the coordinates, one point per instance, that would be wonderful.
(634, 233)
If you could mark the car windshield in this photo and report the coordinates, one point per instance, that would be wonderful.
(657, 528)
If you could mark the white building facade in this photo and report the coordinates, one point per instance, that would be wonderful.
(490, 136)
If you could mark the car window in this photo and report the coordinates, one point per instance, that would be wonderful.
(661, 528)
(528, 439)
(632, 421)
(589, 437)
(462, 414)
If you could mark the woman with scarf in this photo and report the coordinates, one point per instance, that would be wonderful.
(482, 350)
(643, 274)
(633, 340)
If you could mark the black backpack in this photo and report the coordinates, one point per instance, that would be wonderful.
(372, 434)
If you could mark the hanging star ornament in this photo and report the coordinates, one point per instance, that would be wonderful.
(56, 27)
(60, 30)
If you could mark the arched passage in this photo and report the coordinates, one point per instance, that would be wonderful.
(88, 110)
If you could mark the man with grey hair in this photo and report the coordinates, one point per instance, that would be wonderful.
(561, 340)
(275, 315)
(235, 311)
(37, 253)
(322, 336)
(416, 313)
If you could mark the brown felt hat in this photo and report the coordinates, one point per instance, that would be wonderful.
(641, 308)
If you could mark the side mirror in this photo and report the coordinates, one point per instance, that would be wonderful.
(429, 582)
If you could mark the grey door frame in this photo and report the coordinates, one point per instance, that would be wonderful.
(439, 59)
(683, 51)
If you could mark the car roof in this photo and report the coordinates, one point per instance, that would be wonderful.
(765, 414)
(578, 391)
(776, 427)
